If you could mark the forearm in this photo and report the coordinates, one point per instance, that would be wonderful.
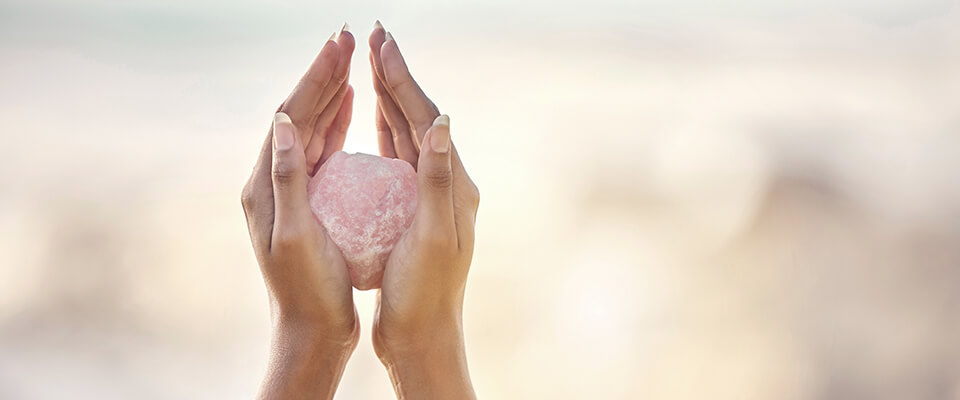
(304, 364)
(433, 368)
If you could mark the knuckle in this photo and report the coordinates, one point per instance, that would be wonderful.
(288, 238)
(381, 90)
(316, 81)
(421, 128)
(339, 79)
(439, 178)
(403, 83)
(436, 239)
(284, 172)
(247, 197)
(474, 193)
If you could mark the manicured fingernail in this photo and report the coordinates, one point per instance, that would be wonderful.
(389, 37)
(440, 138)
(377, 25)
(282, 131)
(345, 28)
(333, 36)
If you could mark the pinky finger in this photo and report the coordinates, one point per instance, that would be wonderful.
(384, 135)
(337, 133)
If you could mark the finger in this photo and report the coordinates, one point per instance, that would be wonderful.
(375, 41)
(403, 142)
(418, 109)
(384, 135)
(333, 93)
(405, 147)
(257, 196)
(435, 182)
(337, 133)
(460, 177)
(303, 100)
(289, 176)
(329, 101)
(466, 198)
(318, 142)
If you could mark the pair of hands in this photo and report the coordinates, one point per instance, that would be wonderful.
(417, 329)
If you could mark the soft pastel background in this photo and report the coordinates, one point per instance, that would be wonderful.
(680, 199)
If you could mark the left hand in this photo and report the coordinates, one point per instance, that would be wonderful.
(315, 325)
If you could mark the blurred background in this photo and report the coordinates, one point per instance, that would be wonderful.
(680, 199)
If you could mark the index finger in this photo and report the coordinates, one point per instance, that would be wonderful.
(303, 100)
(418, 109)
(257, 196)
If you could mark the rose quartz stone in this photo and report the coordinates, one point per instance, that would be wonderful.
(365, 202)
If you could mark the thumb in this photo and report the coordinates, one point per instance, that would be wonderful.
(435, 179)
(289, 172)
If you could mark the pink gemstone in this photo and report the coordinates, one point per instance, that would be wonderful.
(365, 202)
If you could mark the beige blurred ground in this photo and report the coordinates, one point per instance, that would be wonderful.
(680, 200)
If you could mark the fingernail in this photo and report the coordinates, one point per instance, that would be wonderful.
(282, 131)
(378, 25)
(389, 37)
(345, 28)
(333, 36)
(440, 138)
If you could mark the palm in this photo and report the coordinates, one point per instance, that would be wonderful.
(402, 281)
(330, 275)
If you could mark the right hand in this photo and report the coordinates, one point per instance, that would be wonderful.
(418, 332)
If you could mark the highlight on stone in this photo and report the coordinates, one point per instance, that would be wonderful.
(365, 202)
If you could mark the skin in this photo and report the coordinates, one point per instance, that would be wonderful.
(417, 329)
(315, 324)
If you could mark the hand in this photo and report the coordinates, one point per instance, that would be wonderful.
(315, 325)
(417, 330)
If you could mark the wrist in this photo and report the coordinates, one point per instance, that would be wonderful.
(427, 363)
(392, 345)
(328, 335)
(305, 359)
(407, 336)
(314, 326)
